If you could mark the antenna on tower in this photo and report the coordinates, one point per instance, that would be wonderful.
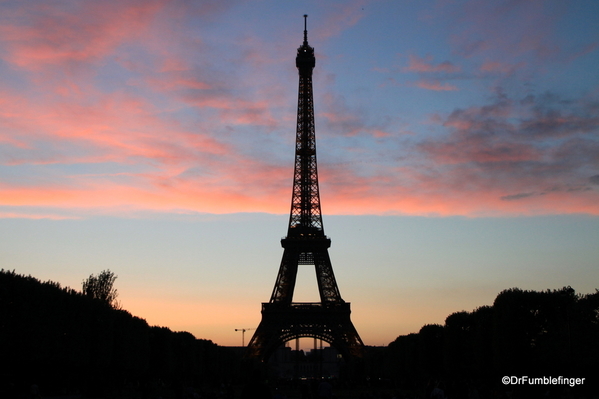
(305, 28)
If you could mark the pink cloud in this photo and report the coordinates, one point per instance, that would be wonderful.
(502, 67)
(237, 111)
(512, 153)
(163, 157)
(505, 158)
(454, 192)
(176, 131)
(175, 83)
(117, 129)
(417, 64)
(506, 29)
(480, 150)
(433, 73)
(341, 17)
(152, 192)
(494, 66)
(48, 34)
(162, 162)
(347, 121)
(435, 85)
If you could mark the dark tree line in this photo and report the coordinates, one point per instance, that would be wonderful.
(524, 333)
(74, 342)
(65, 341)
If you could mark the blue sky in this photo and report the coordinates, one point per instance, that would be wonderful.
(458, 146)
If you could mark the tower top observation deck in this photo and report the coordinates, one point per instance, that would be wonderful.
(305, 60)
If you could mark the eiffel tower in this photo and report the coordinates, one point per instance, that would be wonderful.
(305, 245)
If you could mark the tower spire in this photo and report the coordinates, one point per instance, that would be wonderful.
(305, 29)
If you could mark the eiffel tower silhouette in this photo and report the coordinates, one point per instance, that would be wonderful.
(305, 244)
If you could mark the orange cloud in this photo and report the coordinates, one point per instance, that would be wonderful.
(35, 216)
(102, 195)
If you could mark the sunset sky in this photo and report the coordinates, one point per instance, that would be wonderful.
(458, 152)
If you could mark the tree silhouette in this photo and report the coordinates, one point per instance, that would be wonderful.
(102, 287)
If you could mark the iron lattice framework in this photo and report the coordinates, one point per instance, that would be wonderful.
(305, 244)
